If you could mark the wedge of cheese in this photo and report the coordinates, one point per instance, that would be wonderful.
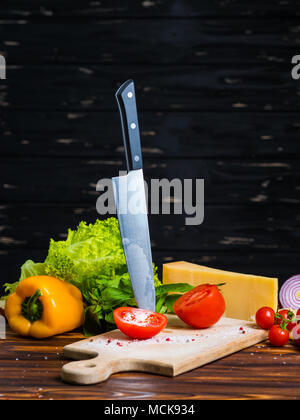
(244, 294)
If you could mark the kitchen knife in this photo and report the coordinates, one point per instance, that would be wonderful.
(130, 199)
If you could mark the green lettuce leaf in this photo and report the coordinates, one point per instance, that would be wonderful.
(29, 269)
(89, 251)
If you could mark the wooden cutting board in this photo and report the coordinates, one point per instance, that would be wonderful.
(177, 349)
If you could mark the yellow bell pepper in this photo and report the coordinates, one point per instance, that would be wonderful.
(44, 306)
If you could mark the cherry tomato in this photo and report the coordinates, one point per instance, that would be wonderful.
(201, 307)
(296, 335)
(278, 337)
(297, 317)
(290, 326)
(288, 315)
(138, 323)
(265, 318)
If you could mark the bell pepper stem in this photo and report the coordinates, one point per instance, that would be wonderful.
(32, 307)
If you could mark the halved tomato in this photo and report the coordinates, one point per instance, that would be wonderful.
(138, 323)
(201, 307)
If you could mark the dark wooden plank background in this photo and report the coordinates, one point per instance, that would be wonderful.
(216, 101)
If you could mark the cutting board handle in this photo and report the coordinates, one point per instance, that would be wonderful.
(93, 371)
(87, 372)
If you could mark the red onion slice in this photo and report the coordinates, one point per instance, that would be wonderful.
(289, 292)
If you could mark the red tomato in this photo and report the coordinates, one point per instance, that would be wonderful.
(265, 318)
(201, 307)
(290, 326)
(286, 314)
(278, 336)
(297, 317)
(138, 323)
(296, 335)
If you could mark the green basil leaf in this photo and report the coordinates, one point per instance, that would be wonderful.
(113, 296)
(159, 304)
(173, 288)
(93, 324)
(170, 300)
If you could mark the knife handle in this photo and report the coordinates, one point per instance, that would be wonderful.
(125, 97)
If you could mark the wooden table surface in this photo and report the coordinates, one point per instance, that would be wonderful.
(30, 369)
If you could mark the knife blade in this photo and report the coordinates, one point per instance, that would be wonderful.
(130, 199)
